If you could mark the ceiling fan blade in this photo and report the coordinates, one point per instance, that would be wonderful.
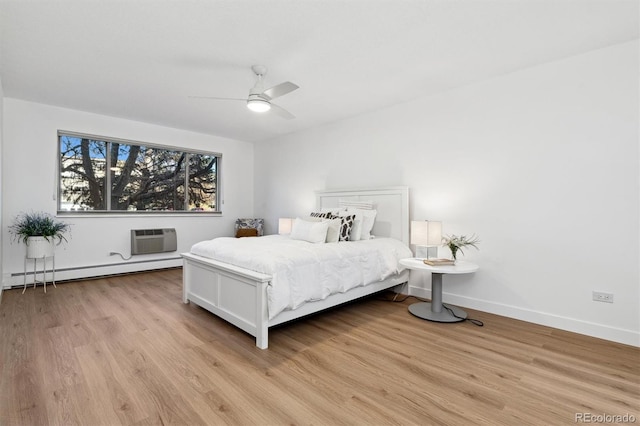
(282, 112)
(280, 89)
(219, 99)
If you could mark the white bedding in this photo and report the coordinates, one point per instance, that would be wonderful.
(303, 271)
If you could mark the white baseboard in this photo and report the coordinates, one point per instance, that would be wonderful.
(16, 279)
(627, 337)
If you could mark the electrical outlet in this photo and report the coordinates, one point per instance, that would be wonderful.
(599, 296)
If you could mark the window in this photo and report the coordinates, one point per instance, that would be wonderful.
(109, 175)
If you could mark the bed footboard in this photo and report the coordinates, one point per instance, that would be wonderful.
(235, 294)
(239, 295)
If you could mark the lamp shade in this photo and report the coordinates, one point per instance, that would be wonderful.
(284, 225)
(426, 233)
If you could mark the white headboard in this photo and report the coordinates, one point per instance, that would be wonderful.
(391, 204)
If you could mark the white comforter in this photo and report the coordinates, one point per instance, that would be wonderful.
(303, 271)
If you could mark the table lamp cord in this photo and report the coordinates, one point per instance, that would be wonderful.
(471, 320)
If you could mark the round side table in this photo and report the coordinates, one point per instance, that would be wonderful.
(434, 310)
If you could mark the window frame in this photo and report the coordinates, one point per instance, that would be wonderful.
(108, 183)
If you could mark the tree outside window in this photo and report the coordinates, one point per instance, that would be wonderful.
(138, 178)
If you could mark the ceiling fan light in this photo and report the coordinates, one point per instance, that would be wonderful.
(258, 105)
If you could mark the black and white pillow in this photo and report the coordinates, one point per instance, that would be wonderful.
(323, 215)
(345, 227)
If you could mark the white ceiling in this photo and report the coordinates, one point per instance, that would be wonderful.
(141, 59)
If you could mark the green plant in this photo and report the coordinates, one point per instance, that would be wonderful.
(455, 243)
(38, 224)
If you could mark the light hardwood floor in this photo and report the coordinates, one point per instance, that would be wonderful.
(125, 350)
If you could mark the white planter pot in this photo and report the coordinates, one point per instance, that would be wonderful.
(39, 247)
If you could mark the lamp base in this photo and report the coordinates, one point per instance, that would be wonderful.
(424, 252)
(432, 252)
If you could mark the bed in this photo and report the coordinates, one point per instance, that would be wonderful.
(241, 295)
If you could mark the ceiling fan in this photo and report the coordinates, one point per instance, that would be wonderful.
(259, 99)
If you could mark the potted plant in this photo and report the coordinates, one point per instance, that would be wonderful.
(39, 231)
(455, 243)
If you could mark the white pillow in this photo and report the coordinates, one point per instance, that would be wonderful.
(313, 232)
(333, 233)
(356, 230)
(367, 217)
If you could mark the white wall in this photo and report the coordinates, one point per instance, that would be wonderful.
(1, 156)
(29, 184)
(542, 164)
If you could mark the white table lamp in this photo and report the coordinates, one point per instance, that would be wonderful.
(284, 225)
(427, 233)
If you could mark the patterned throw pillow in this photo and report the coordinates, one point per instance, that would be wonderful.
(323, 215)
(257, 224)
(345, 227)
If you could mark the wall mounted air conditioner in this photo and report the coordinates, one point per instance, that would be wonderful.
(148, 241)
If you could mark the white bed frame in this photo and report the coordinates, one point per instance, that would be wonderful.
(239, 295)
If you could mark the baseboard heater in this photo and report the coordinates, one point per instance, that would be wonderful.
(149, 241)
(91, 267)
